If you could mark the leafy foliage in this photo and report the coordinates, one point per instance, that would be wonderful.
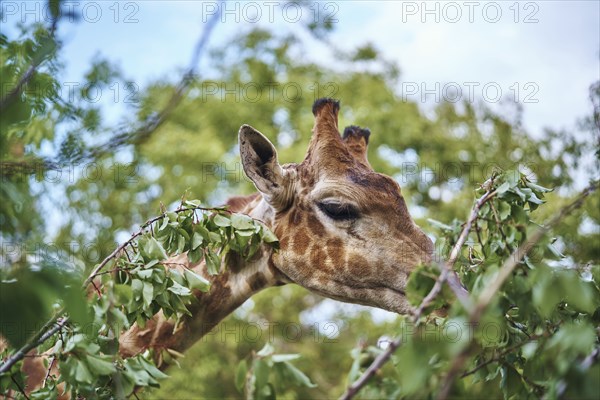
(137, 283)
(537, 338)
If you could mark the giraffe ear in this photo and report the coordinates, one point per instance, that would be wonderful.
(259, 159)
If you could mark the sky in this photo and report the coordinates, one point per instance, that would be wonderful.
(542, 54)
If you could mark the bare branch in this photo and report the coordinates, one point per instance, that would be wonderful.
(381, 359)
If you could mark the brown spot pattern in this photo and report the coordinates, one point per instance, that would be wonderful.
(335, 251)
(358, 265)
(257, 281)
(301, 242)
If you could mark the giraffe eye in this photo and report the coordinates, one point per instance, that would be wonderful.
(339, 211)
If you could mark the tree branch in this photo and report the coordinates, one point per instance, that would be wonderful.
(506, 270)
(381, 359)
(137, 136)
(47, 331)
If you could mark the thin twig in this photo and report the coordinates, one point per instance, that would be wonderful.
(505, 271)
(98, 292)
(19, 387)
(499, 356)
(52, 360)
(447, 270)
(373, 368)
(140, 232)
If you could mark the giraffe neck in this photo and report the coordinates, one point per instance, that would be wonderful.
(237, 282)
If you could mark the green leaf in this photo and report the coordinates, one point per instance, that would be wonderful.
(196, 240)
(277, 358)
(268, 236)
(99, 366)
(266, 351)
(54, 6)
(503, 188)
(503, 210)
(240, 376)
(298, 376)
(195, 256)
(193, 203)
(241, 239)
(148, 293)
(221, 220)
(214, 237)
(196, 281)
(537, 188)
(242, 222)
(534, 199)
(136, 287)
(176, 276)
(151, 368)
(144, 273)
(82, 373)
(213, 262)
(512, 178)
(180, 244)
(151, 248)
(179, 289)
(200, 229)
(164, 224)
(261, 374)
(519, 193)
(123, 293)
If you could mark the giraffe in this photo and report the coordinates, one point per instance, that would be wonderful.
(345, 233)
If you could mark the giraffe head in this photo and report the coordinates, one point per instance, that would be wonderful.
(344, 229)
